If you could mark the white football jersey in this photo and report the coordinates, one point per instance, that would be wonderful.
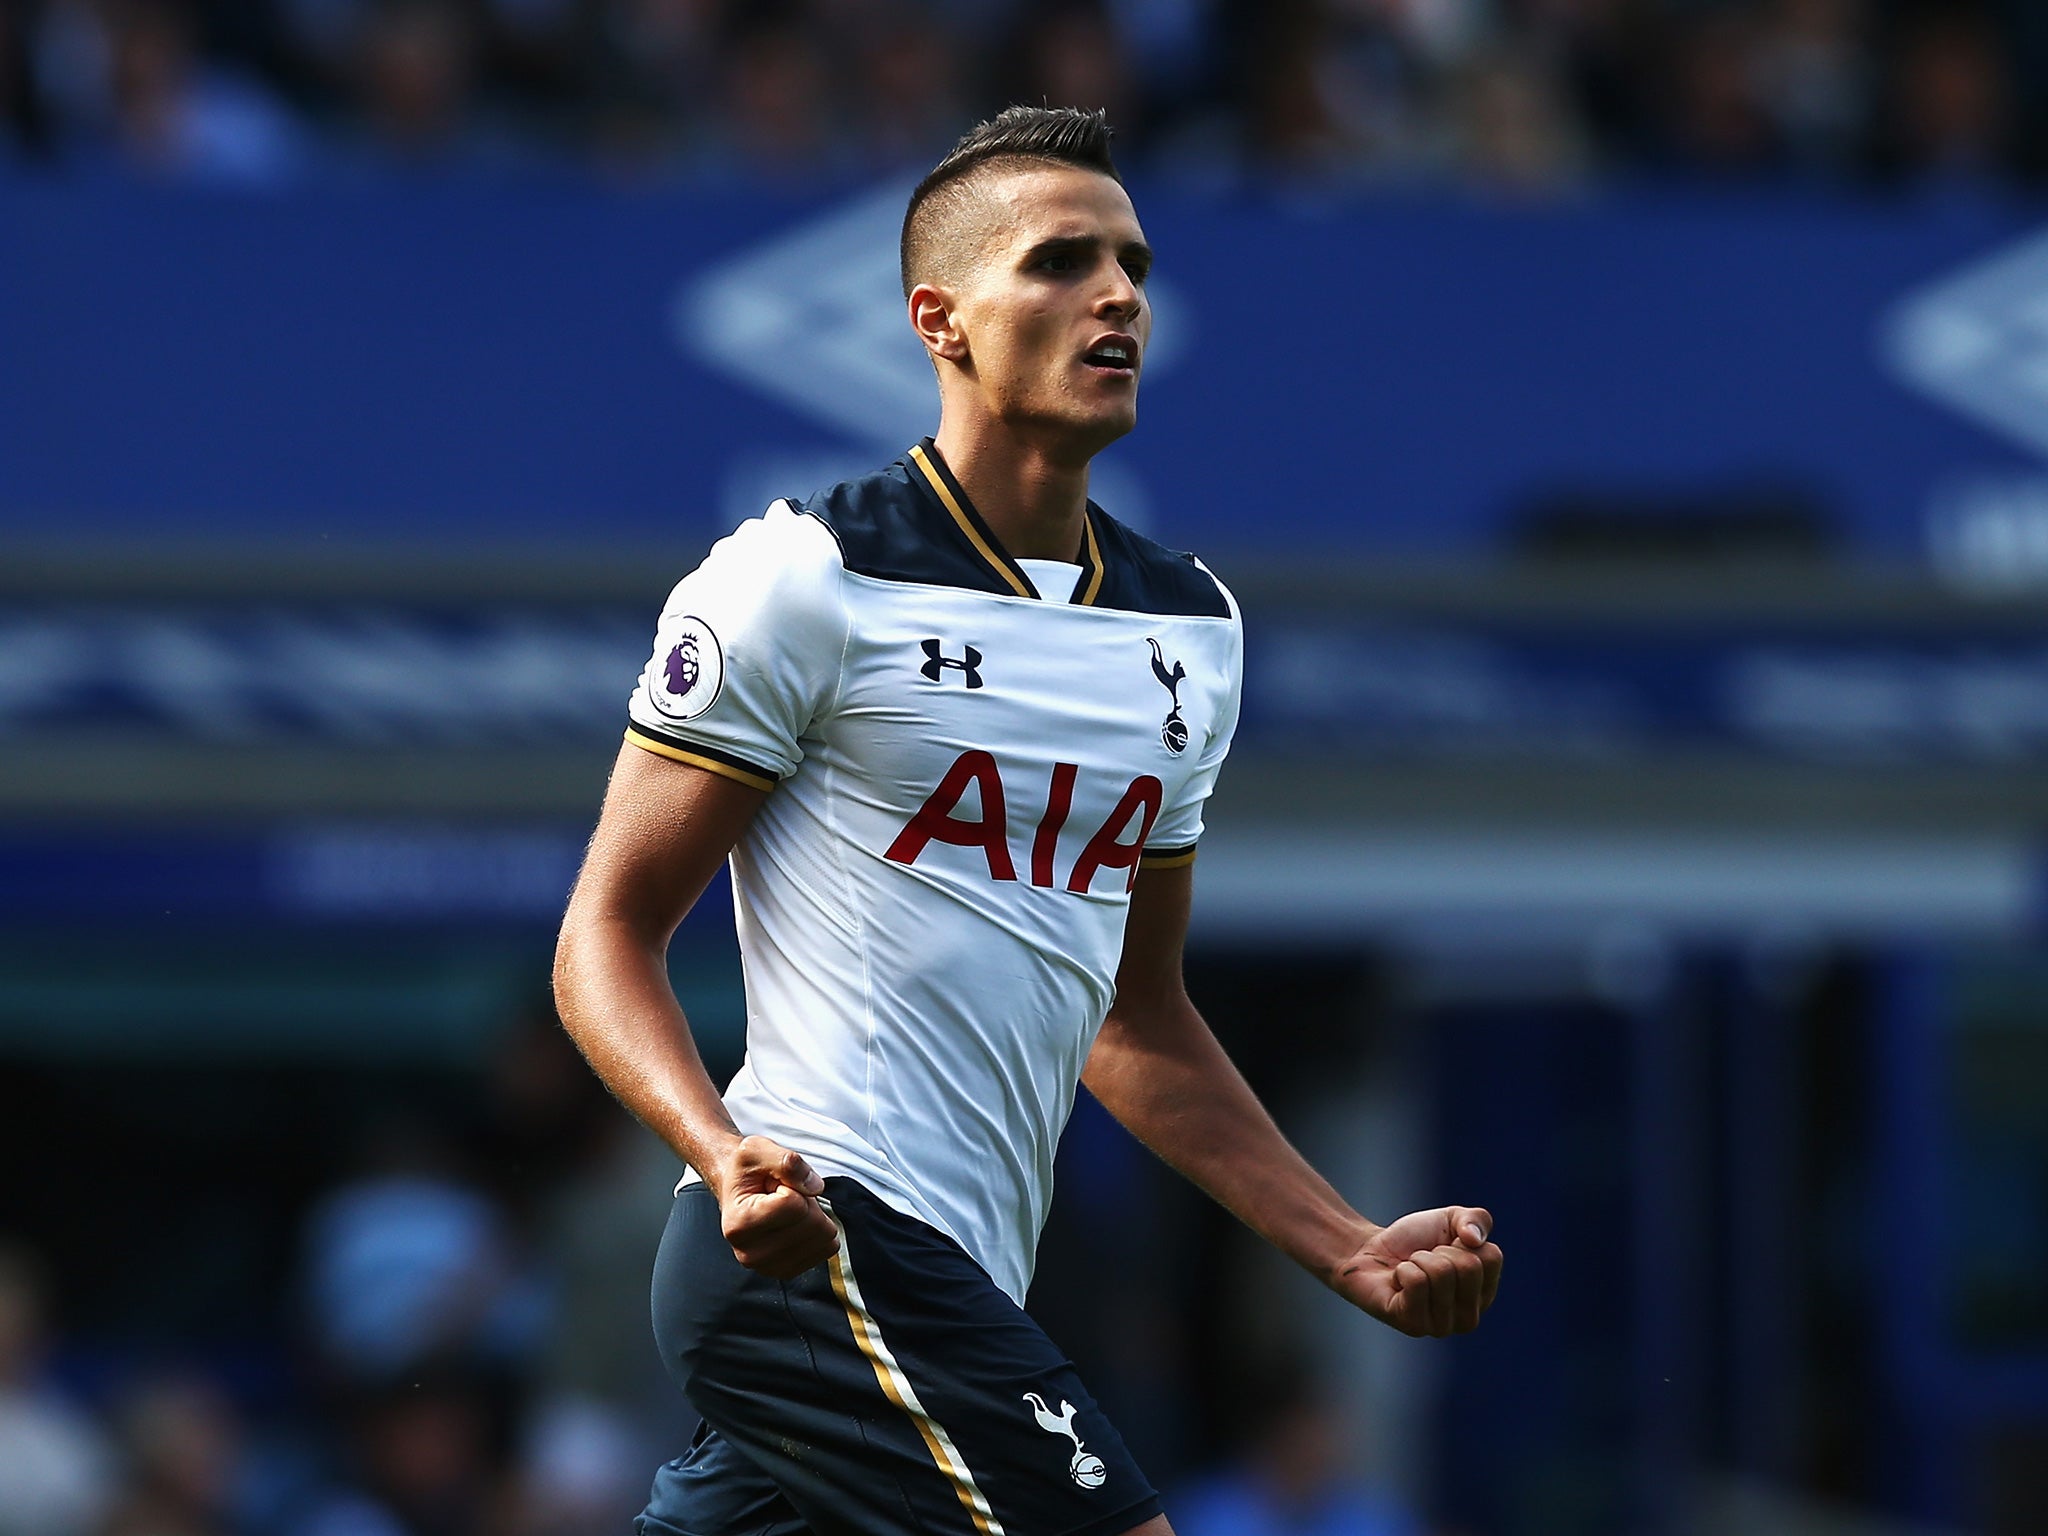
(966, 778)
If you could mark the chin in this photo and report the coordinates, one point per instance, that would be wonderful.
(1120, 425)
(1110, 422)
(1088, 432)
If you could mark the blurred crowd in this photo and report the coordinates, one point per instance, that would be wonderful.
(461, 1345)
(1515, 95)
(453, 1337)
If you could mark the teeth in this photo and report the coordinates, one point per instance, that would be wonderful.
(1113, 354)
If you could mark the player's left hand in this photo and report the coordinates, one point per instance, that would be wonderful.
(1429, 1274)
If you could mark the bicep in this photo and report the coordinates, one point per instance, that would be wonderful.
(665, 829)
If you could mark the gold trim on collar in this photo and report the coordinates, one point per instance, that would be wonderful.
(951, 503)
(1092, 553)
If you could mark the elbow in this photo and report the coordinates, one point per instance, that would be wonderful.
(562, 971)
(595, 947)
(568, 945)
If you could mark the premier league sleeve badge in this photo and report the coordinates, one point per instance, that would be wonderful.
(688, 671)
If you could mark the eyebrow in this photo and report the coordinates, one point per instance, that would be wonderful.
(1058, 245)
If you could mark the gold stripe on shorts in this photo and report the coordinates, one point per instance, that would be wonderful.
(868, 1335)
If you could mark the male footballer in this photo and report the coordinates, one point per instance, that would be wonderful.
(954, 727)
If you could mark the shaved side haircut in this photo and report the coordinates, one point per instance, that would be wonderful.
(932, 225)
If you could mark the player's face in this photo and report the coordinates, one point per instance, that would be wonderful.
(1055, 317)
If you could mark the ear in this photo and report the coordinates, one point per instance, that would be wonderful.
(932, 317)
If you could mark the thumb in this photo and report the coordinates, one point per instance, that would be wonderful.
(1471, 1225)
(799, 1175)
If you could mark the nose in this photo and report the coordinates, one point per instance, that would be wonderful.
(1120, 296)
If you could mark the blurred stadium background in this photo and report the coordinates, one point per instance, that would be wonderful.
(1624, 421)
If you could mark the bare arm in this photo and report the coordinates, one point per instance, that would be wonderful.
(665, 829)
(1158, 1068)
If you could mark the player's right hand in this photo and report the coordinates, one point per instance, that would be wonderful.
(769, 1211)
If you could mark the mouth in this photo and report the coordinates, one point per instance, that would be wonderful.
(1114, 357)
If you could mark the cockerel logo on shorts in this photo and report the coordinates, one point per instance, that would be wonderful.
(1086, 1468)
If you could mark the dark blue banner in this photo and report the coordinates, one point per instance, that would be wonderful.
(527, 677)
(157, 879)
(573, 369)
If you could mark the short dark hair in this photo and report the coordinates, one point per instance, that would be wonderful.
(1061, 135)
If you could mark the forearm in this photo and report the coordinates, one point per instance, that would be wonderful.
(613, 994)
(1167, 1080)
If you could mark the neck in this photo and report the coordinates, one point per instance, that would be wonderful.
(1031, 499)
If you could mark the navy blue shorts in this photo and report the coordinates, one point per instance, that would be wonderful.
(892, 1390)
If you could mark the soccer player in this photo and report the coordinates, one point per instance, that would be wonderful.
(954, 727)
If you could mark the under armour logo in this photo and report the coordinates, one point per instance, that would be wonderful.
(1174, 732)
(1086, 1468)
(935, 663)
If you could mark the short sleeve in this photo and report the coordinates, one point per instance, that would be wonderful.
(748, 651)
(1179, 825)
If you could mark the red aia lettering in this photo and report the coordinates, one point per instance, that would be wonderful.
(1058, 803)
(1104, 851)
(936, 823)
(935, 820)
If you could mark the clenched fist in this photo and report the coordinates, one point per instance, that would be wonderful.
(769, 1211)
(1429, 1274)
